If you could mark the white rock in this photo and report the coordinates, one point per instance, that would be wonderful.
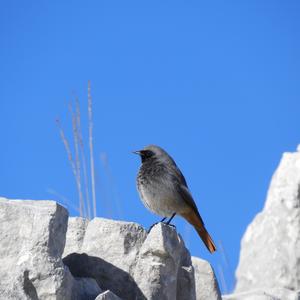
(108, 295)
(108, 254)
(206, 284)
(112, 255)
(186, 278)
(270, 248)
(116, 242)
(159, 263)
(269, 294)
(32, 235)
(75, 235)
(253, 295)
(133, 265)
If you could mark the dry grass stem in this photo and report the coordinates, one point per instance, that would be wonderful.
(84, 164)
(67, 146)
(226, 262)
(77, 161)
(90, 115)
(222, 279)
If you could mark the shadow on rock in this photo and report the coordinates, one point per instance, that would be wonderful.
(108, 276)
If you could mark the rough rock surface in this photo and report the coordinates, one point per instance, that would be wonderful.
(138, 265)
(108, 295)
(107, 254)
(206, 283)
(270, 248)
(158, 267)
(103, 259)
(32, 237)
(267, 294)
(75, 234)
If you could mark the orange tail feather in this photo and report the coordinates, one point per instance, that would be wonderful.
(206, 238)
(196, 221)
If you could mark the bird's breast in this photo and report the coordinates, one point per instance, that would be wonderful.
(158, 193)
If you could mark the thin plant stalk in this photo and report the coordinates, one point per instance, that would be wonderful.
(90, 115)
(70, 158)
(84, 165)
(77, 162)
(225, 260)
(67, 147)
(222, 279)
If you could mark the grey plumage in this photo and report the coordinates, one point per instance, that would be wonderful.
(164, 191)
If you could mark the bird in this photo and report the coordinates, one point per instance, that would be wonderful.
(164, 191)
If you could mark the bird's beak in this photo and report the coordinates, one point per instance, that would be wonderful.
(138, 152)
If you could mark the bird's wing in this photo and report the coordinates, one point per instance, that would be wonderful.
(187, 197)
(179, 174)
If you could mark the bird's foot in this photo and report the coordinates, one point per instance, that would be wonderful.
(163, 221)
(166, 223)
(171, 225)
(169, 221)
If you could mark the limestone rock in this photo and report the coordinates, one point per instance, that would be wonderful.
(269, 294)
(116, 242)
(119, 258)
(85, 289)
(108, 254)
(270, 248)
(32, 235)
(75, 234)
(108, 295)
(132, 264)
(206, 284)
(186, 278)
(159, 263)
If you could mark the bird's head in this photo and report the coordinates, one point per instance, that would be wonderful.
(150, 152)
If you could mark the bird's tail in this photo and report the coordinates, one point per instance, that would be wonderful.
(206, 238)
(194, 219)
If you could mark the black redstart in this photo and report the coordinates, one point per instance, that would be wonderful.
(164, 191)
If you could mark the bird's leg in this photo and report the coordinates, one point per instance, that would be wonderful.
(161, 221)
(168, 222)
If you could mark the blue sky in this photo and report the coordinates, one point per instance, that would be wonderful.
(215, 83)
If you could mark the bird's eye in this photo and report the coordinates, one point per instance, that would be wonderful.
(147, 153)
